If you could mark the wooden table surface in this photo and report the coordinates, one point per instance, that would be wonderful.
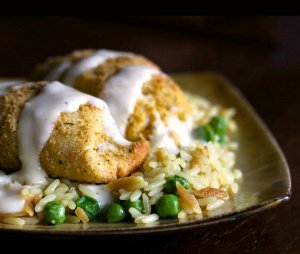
(267, 73)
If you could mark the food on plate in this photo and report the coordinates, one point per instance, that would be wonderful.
(11, 103)
(119, 142)
(51, 130)
(65, 132)
(145, 102)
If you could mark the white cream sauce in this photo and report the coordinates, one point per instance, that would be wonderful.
(4, 86)
(88, 63)
(10, 199)
(55, 73)
(183, 129)
(122, 91)
(162, 137)
(163, 133)
(103, 195)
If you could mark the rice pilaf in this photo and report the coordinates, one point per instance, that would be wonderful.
(208, 167)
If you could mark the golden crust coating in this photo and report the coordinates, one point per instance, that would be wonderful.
(41, 70)
(163, 97)
(11, 105)
(92, 81)
(72, 150)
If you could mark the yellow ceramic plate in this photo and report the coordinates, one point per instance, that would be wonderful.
(266, 179)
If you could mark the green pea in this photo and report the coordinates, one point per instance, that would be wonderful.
(219, 125)
(115, 213)
(170, 185)
(207, 133)
(168, 206)
(54, 213)
(138, 205)
(90, 206)
(215, 130)
(222, 140)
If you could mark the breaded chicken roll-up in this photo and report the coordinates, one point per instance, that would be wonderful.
(49, 129)
(146, 103)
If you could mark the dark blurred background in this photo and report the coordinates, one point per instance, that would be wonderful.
(248, 50)
(176, 43)
(260, 55)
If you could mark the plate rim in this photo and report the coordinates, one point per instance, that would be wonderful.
(159, 229)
